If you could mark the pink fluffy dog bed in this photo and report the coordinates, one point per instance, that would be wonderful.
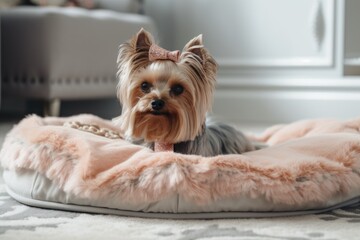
(310, 166)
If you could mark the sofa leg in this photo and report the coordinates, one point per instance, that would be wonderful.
(52, 108)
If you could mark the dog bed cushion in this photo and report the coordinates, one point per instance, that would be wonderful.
(310, 166)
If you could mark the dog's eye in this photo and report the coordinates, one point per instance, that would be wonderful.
(145, 87)
(177, 89)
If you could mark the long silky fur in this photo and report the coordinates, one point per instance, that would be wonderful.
(216, 139)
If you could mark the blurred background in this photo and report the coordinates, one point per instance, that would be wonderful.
(279, 60)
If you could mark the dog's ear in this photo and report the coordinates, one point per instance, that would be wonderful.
(133, 55)
(143, 40)
(195, 46)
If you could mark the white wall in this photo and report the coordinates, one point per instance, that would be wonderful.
(280, 60)
(352, 37)
(162, 11)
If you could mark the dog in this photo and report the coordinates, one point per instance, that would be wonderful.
(165, 98)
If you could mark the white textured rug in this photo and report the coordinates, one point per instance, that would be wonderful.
(18, 221)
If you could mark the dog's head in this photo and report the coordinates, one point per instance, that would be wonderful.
(164, 98)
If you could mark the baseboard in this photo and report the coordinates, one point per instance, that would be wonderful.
(259, 100)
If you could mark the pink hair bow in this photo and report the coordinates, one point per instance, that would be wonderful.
(158, 53)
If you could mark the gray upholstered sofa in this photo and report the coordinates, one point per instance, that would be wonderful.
(54, 53)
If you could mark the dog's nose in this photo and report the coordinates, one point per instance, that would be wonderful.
(157, 104)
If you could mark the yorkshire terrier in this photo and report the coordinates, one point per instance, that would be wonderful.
(166, 95)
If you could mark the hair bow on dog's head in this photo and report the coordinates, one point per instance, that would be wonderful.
(158, 53)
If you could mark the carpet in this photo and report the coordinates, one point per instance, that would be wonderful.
(18, 221)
